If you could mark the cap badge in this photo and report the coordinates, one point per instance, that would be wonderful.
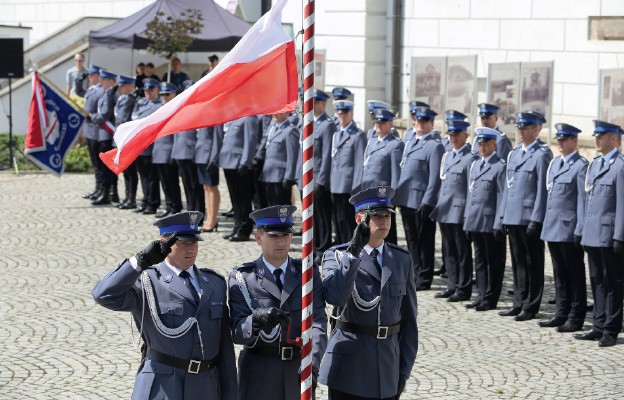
(167, 278)
(261, 273)
(193, 218)
(283, 213)
(382, 192)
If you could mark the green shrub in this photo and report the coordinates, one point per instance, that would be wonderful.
(77, 159)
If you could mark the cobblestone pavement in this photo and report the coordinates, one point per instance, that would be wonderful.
(56, 343)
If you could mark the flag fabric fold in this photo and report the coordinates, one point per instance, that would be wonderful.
(259, 76)
(54, 124)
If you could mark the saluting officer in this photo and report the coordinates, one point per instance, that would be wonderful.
(486, 191)
(181, 313)
(348, 145)
(370, 283)
(449, 211)
(339, 93)
(240, 142)
(147, 173)
(105, 113)
(123, 113)
(523, 215)
(489, 119)
(563, 225)
(280, 165)
(417, 194)
(265, 302)
(603, 234)
(90, 129)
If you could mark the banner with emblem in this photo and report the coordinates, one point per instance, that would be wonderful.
(54, 123)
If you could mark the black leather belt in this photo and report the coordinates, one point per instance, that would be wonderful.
(283, 353)
(380, 332)
(191, 366)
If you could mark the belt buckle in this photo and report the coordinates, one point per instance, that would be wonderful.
(382, 332)
(287, 353)
(193, 367)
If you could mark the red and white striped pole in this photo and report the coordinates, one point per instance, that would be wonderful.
(308, 200)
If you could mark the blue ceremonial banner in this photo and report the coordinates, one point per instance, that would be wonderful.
(54, 123)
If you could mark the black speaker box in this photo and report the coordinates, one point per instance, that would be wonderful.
(11, 58)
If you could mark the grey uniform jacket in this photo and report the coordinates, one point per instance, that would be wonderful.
(454, 187)
(184, 145)
(324, 130)
(142, 109)
(382, 161)
(604, 211)
(347, 160)
(420, 173)
(486, 191)
(255, 370)
(162, 150)
(105, 112)
(240, 142)
(93, 94)
(121, 290)
(565, 205)
(282, 149)
(360, 364)
(503, 145)
(124, 107)
(525, 198)
(208, 145)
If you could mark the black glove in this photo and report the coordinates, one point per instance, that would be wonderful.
(268, 317)
(402, 380)
(577, 241)
(534, 229)
(498, 235)
(155, 252)
(424, 211)
(212, 168)
(361, 236)
(88, 118)
(618, 247)
(314, 381)
(243, 170)
(287, 184)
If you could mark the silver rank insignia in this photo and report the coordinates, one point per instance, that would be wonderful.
(261, 273)
(382, 191)
(283, 213)
(167, 278)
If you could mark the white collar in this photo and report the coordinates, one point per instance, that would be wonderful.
(379, 248)
(346, 128)
(610, 154)
(486, 159)
(567, 158)
(272, 268)
(177, 270)
(525, 148)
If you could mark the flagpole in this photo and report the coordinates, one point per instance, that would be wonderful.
(307, 305)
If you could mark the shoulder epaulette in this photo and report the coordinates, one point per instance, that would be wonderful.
(502, 134)
(340, 246)
(503, 161)
(212, 271)
(397, 247)
(297, 261)
(584, 160)
(245, 265)
(597, 157)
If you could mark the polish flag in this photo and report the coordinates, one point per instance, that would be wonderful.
(37, 119)
(259, 76)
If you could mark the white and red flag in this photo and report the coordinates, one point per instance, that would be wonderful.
(259, 76)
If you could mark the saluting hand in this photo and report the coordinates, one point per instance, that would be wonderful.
(361, 236)
(155, 252)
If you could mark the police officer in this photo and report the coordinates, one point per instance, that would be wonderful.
(339, 93)
(164, 164)
(240, 142)
(90, 129)
(370, 283)
(417, 194)
(563, 224)
(147, 172)
(264, 125)
(523, 215)
(206, 158)
(348, 145)
(105, 113)
(280, 166)
(486, 190)
(183, 153)
(123, 113)
(449, 211)
(265, 302)
(603, 234)
(382, 160)
(411, 133)
(489, 119)
(181, 313)
(324, 130)
(373, 106)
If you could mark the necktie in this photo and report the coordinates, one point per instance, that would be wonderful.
(523, 153)
(602, 163)
(416, 141)
(562, 163)
(482, 164)
(374, 255)
(187, 282)
(278, 281)
(454, 155)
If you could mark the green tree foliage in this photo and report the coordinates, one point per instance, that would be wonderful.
(169, 35)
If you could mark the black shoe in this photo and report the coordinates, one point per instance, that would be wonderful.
(228, 214)
(123, 202)
(149, 211)
(511, 312)
(103, 200)
(238, 237)
(95, 195)
(89, 195)
(552, 301)
(114, 196)
(444, 295)
(510, 292)
(227, 236)
(164, 214)
(524, 316)
(440, 271)
(420, 288)
(444, 275)
(569, 327)
(591, 334)
(607, 340)
(590, 307)
(474, 304)
(458, 297)
(128, 206)
(213, 229)
(483, 307)
(553, 322)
